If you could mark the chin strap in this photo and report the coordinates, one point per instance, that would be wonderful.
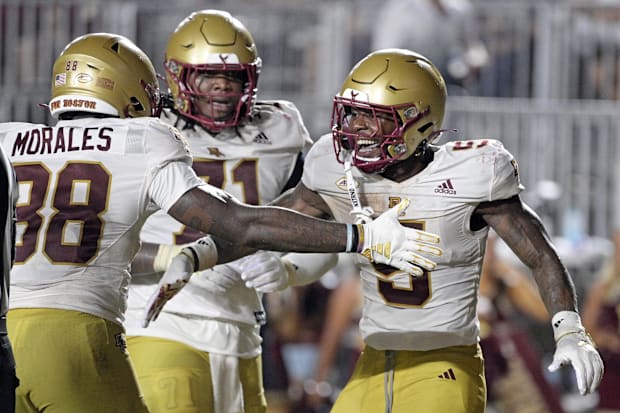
(361, 214)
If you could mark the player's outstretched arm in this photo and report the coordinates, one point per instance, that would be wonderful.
(525, 234)
(271, 228)
(384, 241)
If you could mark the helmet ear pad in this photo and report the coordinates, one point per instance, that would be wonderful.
(107, 74)
(398, 82)
(211, 41)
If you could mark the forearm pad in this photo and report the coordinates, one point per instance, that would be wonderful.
(305, 268)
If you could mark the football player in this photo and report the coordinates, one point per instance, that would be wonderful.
(208, 338)
(421, 332)
(86, 187)
(8, 379)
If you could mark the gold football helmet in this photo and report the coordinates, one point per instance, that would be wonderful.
(104, 73)
(209, 42)
(395, 84)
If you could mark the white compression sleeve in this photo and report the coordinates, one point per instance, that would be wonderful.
(304, 268)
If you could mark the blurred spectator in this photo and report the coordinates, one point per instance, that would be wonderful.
(281, 321)
(597, 44)
(444, 32)
(339, 346)
(601, 315)
(312, 341)
(295, 320)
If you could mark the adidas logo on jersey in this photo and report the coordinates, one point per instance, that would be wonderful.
(262, 138)
(446, 188)
(448, 374)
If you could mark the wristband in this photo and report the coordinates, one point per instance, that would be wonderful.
(192, 255)
(359, 234)
(355, 238)
(565, 323)
(349, 246)
(203, 252)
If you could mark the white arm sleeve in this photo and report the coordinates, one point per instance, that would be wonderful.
(305, 268)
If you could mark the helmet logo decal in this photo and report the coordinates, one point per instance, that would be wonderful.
(399, 149)
(105, 83)
(73, 103)
(60, 79)
(355, 95)
(84, 78)
(174, 67)
(410, 112)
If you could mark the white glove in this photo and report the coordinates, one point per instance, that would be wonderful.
(174, 279)
(265, 272)
(271, 272)
(386, 241)
(574, 346)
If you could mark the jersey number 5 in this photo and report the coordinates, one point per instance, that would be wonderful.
(70, 234)
(416, 294)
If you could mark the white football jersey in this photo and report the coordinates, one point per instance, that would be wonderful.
(85, 189)
(253, 162)
(438, 309)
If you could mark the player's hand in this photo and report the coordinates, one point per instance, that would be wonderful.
(574, 346)
(577, 349)
(386, 241)
(174, 279)
(265, 272)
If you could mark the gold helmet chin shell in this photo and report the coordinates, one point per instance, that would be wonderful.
(406, 80)
(104, 73)
(209, 37)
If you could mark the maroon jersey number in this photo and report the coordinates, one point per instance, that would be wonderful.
(419, 290)
(78, 200)
(213, 172)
